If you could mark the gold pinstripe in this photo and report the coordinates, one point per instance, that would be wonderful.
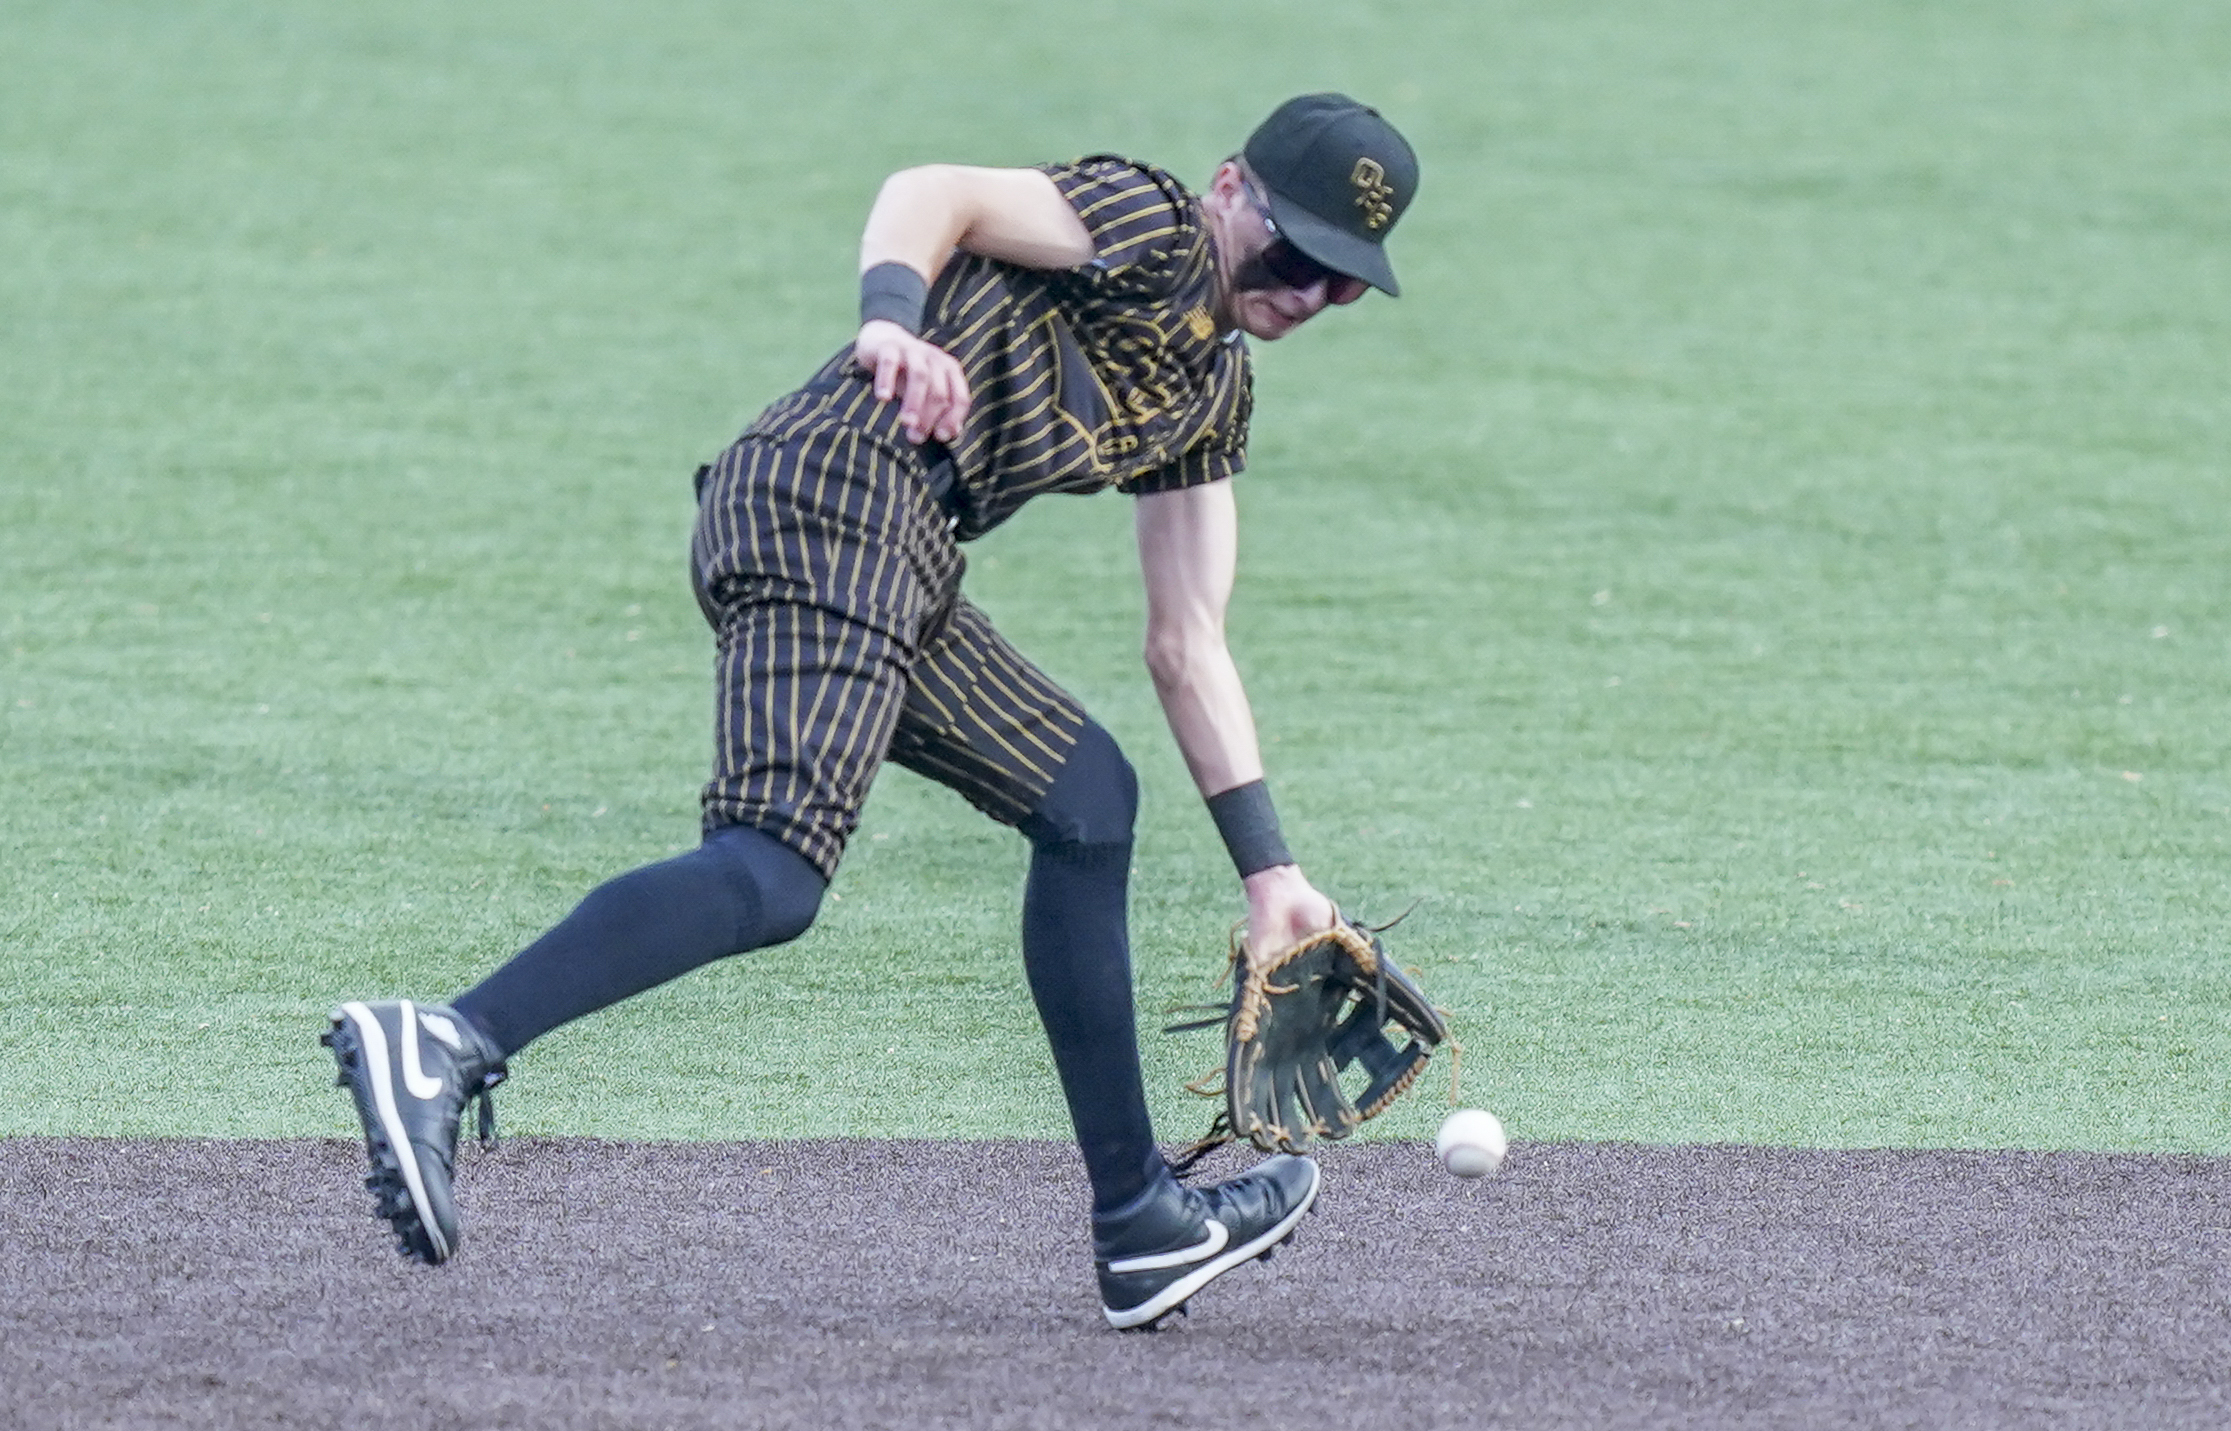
(1173, 404)
(832, 579)
(832, 583)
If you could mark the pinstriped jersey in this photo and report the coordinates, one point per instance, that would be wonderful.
(1108, 375)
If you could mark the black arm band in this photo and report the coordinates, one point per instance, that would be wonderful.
(1249, 825)
(895, 293)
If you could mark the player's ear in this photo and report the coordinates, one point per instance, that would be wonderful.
(1226, 189)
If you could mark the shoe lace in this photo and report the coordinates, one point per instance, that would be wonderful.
(1189, 1157)
(486, 1121)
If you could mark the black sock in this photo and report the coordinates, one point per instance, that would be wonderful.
(742, 889)
(1077, 953)
(1076, 950)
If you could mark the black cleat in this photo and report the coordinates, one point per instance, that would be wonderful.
(1173, 1240)
(411, 1070)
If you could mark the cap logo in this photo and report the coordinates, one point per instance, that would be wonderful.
(1372, 193)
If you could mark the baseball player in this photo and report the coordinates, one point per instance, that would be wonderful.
(1067, 328)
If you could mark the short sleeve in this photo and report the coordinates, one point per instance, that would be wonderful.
(1220, 448)
(1145, 227)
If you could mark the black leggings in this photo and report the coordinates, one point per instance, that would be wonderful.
(744, 889)
(741, 889)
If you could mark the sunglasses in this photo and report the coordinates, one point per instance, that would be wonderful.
(1295, 269)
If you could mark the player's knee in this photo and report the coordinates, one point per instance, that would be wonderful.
(1093, 801)
(784, 887)
(791, 907)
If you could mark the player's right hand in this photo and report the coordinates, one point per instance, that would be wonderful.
(1283, 908)
(929, 383)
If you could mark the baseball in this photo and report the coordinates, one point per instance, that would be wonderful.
(1470, 1143)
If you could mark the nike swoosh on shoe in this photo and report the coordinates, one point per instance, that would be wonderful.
(415, 1078)
(1212, 1242)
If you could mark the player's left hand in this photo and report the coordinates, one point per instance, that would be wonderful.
(930, 384)
(1283, 908)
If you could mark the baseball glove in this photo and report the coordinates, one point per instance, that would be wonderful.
(1295, 1025)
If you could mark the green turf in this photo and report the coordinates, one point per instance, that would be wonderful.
(1763, 587)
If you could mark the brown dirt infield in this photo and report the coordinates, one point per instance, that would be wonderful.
(834, 1283)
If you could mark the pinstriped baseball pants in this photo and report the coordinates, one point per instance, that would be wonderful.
(832, 584)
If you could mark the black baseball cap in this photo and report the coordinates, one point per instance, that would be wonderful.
(1339, 176)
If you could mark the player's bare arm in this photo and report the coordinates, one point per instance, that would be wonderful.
(919, 217)
(1188, 555)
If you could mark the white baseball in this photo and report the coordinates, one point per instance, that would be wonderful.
(1471, 1143)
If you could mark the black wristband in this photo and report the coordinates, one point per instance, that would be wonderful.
(896, 294)
(1249, 825)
